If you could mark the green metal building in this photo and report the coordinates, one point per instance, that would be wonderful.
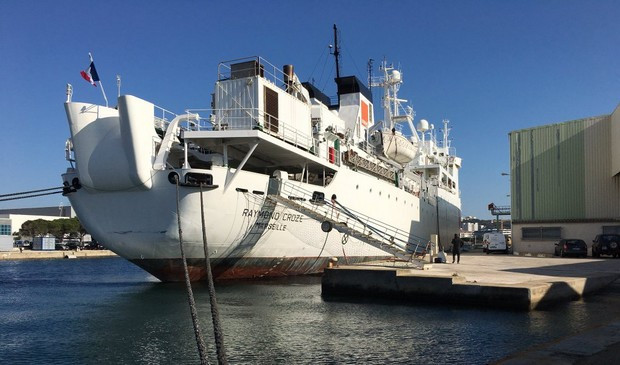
(565, 182)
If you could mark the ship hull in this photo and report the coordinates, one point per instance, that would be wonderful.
(248, 235)
(279, 170)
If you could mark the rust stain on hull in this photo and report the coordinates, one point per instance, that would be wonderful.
(171, 270)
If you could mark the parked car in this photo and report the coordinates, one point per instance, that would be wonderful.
(571, 247)
(60, 247)
(606, 244)
(24, 244)
(72, 244)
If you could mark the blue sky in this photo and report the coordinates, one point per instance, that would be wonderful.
(489, 66)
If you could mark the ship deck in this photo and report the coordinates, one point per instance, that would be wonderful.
(270, 151)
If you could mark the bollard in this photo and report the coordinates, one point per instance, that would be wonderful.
(333, 262)
(434, 240)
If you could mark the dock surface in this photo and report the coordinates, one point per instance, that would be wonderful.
(34, 255)
(504, 281)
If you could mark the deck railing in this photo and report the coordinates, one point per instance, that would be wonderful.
(163, 117)
(252, 119)
(254, 65)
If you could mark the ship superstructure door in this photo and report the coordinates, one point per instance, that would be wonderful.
(271, 109)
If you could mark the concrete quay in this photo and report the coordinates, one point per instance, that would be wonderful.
(34, 255)
(502, 281)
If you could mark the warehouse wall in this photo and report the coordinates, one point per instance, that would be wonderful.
(562, 172)
(583, 231)
(602, 190)
(615, 142)
(565, 176)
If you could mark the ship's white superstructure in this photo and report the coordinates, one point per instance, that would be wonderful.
(272, 156)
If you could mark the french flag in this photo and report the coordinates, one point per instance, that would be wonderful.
(90, 74)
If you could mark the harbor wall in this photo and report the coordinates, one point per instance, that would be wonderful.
(15, 254)
(477, 285)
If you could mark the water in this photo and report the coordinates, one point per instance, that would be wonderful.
(109, 311)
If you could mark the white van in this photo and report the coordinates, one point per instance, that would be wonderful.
(494, 242)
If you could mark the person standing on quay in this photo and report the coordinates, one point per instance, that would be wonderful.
(456, 248)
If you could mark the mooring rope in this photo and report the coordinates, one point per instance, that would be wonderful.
(215, 314)
(28, 196)
(202, 347)
(31, 191)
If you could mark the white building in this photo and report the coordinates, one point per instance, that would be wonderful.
(11, 220)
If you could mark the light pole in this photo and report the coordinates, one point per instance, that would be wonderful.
(507, 195)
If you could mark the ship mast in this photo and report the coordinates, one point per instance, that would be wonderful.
(446, 132)
(336, 51)
(391, 82)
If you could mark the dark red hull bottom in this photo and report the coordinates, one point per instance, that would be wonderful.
(244, 268)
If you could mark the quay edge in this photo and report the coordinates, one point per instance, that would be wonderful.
(527, 292)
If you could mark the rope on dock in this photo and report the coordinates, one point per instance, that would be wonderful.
(202, 347)
(215, 314)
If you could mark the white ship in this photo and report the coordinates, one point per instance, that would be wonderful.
(280, 166)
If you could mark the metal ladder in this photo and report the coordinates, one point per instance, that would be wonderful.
(334, 215)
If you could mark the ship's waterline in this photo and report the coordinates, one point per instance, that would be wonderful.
(251, 268)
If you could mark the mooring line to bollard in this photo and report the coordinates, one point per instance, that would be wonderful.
(202, 347)
(29, 194)
(215, 314)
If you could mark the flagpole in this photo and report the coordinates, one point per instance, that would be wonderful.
(103, 92)
(100, 84)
